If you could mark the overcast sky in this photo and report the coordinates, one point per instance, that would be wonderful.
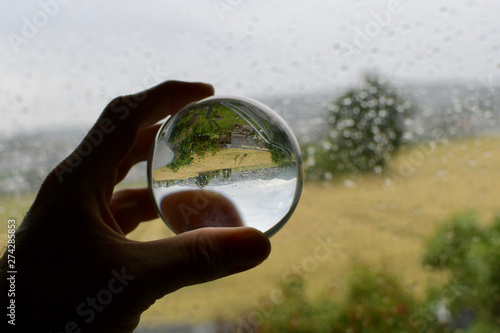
(60, 63)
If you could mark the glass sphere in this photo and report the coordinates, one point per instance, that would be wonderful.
(225, 162)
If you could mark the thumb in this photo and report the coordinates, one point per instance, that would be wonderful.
(199, 256)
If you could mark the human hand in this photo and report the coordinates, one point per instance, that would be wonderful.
(76, 270)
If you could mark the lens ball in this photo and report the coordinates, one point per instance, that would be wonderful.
(225, 162)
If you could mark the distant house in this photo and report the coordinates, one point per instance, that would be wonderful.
(243, 137)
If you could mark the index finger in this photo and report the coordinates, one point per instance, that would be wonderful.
(113, 135)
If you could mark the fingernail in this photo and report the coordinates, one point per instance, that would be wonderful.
(250, 248)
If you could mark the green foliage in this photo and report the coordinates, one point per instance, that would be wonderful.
(193, 144)
(367, 126)
(198, 134)
(297, 314)
(375, 302)
(320, 161)
(279, 156)
(204, 178)
(471, 254)
(484, 328)
(450, 245)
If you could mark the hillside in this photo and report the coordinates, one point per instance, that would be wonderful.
(383, 220)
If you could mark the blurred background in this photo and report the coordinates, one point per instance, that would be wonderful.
(396, 105)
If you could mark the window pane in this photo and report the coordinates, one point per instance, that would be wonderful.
(395, 104)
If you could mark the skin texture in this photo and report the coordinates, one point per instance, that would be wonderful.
(194, 209)
(76, 269)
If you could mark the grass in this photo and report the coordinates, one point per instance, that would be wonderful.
(13, 207)
(382, 220)
(236, 159)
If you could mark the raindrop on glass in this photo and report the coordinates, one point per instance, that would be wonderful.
(225, 162)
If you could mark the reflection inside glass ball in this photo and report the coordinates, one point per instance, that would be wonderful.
(225, 162)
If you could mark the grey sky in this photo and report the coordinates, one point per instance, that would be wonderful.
(84, 53)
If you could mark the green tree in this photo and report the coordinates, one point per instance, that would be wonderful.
(279, 156)
(375, 301)
(367, 124)
(471, 253)
(196, 133)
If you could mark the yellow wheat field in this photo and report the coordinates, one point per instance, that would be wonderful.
(382, 220)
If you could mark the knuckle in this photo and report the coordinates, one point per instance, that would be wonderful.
(117, 101)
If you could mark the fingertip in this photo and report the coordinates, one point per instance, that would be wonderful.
(200, 90)
(180, 93)
(249, 247)
(208, 88)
